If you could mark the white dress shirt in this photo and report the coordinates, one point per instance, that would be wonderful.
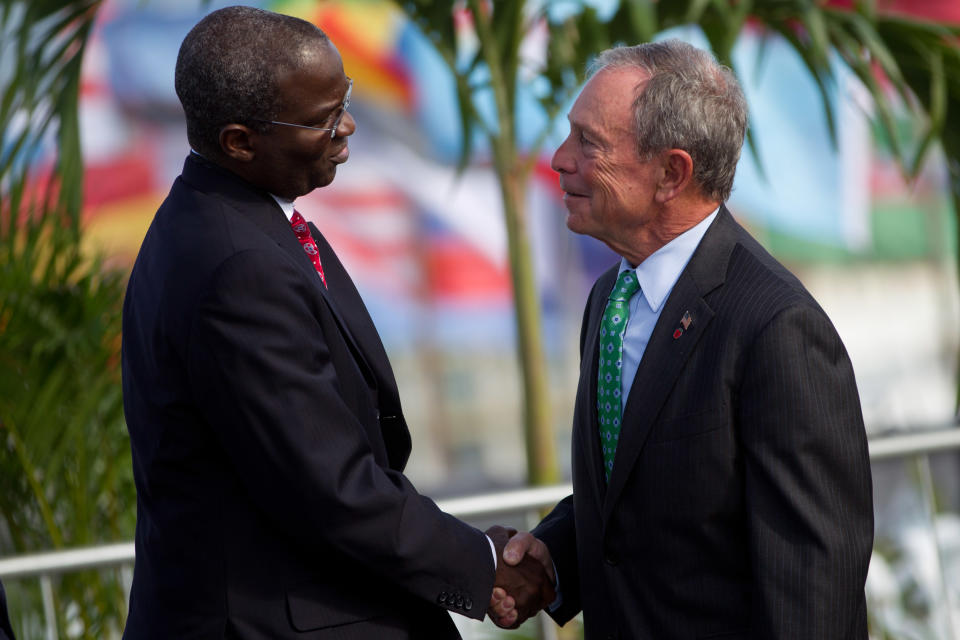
(286, 205)
(657, 276)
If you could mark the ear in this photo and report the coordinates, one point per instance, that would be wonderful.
(677, 174)
(236, 142)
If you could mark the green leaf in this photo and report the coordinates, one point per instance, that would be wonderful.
(642, 18)
(937, 110)
(822, 76)
(819, 44)
(695, 10)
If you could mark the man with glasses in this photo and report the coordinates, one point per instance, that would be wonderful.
(267, 434)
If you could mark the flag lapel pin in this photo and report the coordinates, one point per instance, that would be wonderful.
(685, 322)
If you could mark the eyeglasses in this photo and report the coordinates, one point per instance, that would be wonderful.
(333, 130)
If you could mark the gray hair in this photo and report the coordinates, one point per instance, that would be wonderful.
(228, 66)
(690, 102)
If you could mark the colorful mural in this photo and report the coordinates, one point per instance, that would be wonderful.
(416, 234)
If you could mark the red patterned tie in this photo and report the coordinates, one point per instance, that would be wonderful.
(306, 241)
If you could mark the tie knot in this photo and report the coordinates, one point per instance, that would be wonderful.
(299, 225)
(627, 285)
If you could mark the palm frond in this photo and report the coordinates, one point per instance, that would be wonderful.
(64, 455)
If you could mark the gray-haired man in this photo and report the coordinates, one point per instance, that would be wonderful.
(721, 482)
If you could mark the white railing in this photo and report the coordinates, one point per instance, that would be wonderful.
(45, 566)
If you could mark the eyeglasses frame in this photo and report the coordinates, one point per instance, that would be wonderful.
(333, 130)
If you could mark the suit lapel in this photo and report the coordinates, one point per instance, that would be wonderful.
(588, 428)
(665, 355)
(662, 362)
(277, 227)
(357, 328)
(354, 319)
(261, 210)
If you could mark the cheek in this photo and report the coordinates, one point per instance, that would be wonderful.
(606, 181)
(315, 155)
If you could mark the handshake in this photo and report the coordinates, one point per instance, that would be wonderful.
(524, 582)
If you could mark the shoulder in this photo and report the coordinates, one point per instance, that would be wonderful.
(756, 295)
(759, 283)
(196, 230)
(199, 246)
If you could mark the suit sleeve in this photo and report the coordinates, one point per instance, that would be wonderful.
(807, 480)
(262, 374)
(558, 532)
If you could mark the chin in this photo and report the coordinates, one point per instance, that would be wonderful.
(575, 223)
(322, 181)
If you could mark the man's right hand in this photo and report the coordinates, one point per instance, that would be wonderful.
(524, 580)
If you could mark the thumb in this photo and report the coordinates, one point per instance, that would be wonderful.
(517, 547)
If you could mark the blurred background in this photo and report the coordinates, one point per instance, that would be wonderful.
(427, 246)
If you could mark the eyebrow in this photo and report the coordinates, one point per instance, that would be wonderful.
(325, 111)
(586, 128)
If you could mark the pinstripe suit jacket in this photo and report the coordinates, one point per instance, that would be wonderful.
(740, 502)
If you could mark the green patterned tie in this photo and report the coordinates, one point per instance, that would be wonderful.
(609, 400)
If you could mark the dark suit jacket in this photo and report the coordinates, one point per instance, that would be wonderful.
(740, 503)
(268, 442)
(6, 631)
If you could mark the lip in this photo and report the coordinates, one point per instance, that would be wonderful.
(341, 156)
(567, 193)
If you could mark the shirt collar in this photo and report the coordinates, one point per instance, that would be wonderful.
(286, 205)
(661, 270)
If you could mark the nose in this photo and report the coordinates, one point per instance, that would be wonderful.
(347, 125)
(562, 161)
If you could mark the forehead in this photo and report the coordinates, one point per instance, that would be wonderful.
(605, 105)
(319, 76)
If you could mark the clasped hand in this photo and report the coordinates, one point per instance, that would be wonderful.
(524, 580)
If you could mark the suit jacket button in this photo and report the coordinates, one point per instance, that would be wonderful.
(459, 601)
(611, 558)
(467, 603)
(442, 598)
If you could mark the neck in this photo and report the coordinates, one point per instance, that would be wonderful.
(670, 223)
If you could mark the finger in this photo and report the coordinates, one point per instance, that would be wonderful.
(506, 605)
(501, 602)
(526, 544)
(504, 612)
(500, 611)
(502, 606)
(539, 551)
(517, 547)
(508, 621)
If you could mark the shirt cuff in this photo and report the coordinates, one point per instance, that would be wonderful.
(553, 606)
